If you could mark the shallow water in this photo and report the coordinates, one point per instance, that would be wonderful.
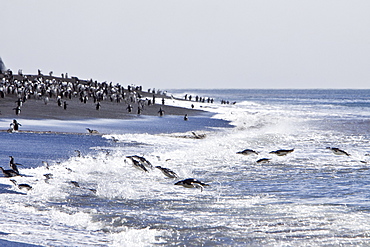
(310, 197)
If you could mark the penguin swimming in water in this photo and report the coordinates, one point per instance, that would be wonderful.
(46, 164)
(21, 186)
(282, 152)
(142, 160)
(78, 152)
(198, 136)
(92, 131)
(48, 176)
(137, 164)
(338, 151)
(247, 152)
(191, 183)
(76, 184)
(263, 161)
(114, 139)
(168, 172)
(9, 173)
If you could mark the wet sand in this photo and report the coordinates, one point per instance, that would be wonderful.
(37, 109)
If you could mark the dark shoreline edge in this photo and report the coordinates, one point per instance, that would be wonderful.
(37, 109)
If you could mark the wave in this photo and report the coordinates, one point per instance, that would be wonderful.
(304, 198)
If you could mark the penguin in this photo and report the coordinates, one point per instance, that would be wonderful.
(168, 172)
(17, 110)
(282, 152)
(48, 176)
(129, 108)
(21, 186)
(46, 164)
(263, 161)
(15, 125)
(141, 160)
(9, 173)
(198, 136)
(114, 139)
(338, 151)
(78, 152)
(161, 112)
(139, 165)
(98, 105)
(92, 131)
(13, 165)
(76, 184)
(247, 152)
(191, 183)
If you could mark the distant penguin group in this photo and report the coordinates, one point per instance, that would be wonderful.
(280, 152)
(283, 152)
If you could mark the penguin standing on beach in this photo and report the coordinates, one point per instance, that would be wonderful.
(19, 102)
(17, 110)
(15, 125)
(65, 105)
(98, 105)
(129, 108)
(161, 112)
(59, 101)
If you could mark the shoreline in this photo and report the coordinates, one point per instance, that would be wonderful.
(48, 97)
(37, 109)
(102, 126)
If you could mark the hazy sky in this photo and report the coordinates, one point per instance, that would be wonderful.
(193, 43)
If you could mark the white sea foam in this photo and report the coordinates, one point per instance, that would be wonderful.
(309, 197)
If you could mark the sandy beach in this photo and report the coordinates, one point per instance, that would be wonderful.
(36, 108)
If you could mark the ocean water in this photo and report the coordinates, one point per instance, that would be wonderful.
(310, 197)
